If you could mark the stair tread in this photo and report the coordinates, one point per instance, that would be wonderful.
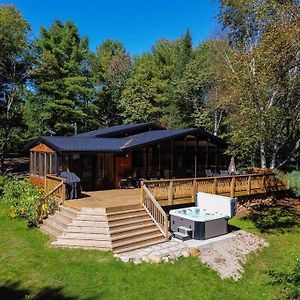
(130, 228)
(57, 219)
(87, 236)
(122, 222)
(129, 216)
(53, 224)
(49, 231)
(137, 239)
(87, 243)
(125, 235)
(68, 210)
(125, 211)
(139, 246)
(81, 223)
(84, 217)
(104, 230)
(63, 215)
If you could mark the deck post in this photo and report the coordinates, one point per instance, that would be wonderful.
(170, 193)
(249, 185)
(232, 193)
(263, 184)
(142, 193)
(194, 190)
(63, 192)
(215, 186)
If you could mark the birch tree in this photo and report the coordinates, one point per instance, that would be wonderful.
(261, 90)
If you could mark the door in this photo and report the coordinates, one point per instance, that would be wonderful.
(87, 177)
(123, 167)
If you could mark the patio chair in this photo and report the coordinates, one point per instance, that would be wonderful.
(224, 172)
(208, 173)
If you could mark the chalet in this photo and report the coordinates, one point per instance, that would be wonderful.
(103, 158)
(167, 166)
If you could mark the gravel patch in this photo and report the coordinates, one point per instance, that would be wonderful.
(224, 254)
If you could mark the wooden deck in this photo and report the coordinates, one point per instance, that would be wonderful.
(106, 199)
(118, 198)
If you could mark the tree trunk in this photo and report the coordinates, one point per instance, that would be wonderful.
(263, 160)
(215, 123)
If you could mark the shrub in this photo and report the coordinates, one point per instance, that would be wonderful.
(3, 180)
(293, 180)
(289, 281)
(26, 200)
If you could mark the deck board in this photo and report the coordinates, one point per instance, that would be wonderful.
(106, 199)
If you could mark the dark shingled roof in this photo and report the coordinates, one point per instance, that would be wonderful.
(85, 143)
(119, 130)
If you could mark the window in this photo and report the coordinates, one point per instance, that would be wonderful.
(42, 163)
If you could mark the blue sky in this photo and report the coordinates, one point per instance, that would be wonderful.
(137, 24)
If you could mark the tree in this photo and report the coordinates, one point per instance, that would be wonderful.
(111, 69)
(261, 89)
(15, 62)
(140, 99)
(63, 78)
(196, 93)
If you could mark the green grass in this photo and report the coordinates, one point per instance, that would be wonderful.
(30, 269)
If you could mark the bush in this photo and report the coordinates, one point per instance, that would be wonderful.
(3, 181)
(288, 280)
(293, 180)
(26, 200)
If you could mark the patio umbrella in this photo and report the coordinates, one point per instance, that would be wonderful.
(232, 167)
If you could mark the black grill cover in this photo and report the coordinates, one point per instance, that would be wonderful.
(73, 184)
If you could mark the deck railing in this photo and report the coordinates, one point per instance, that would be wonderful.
(172, 190)
(155, 211)
(55, 187)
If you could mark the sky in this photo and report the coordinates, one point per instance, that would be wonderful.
(137, 24)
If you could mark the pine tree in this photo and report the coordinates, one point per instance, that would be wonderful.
(63, 75)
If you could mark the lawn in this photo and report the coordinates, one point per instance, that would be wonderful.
(31, 269)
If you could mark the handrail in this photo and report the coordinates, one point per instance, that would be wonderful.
(55, 184)
(54, 190)
(205, 178)
(155, 211)
(60, 186)
(184, 189)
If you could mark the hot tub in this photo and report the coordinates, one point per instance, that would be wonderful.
(202, 224)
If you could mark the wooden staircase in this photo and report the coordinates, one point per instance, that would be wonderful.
(119, 229)
(132, 229)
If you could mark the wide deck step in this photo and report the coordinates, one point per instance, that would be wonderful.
(69, 211)
(130, 228)
(85, 236)
(136, 239)
(121, 212)
(130, 216)
(129, 222)
(82, 243)
(89, 223)
(90, 217)
(49, 231)
(87, 229)
(127, 235)
(139, 245)
(58, 220)
(53, 226)
(123, 229)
